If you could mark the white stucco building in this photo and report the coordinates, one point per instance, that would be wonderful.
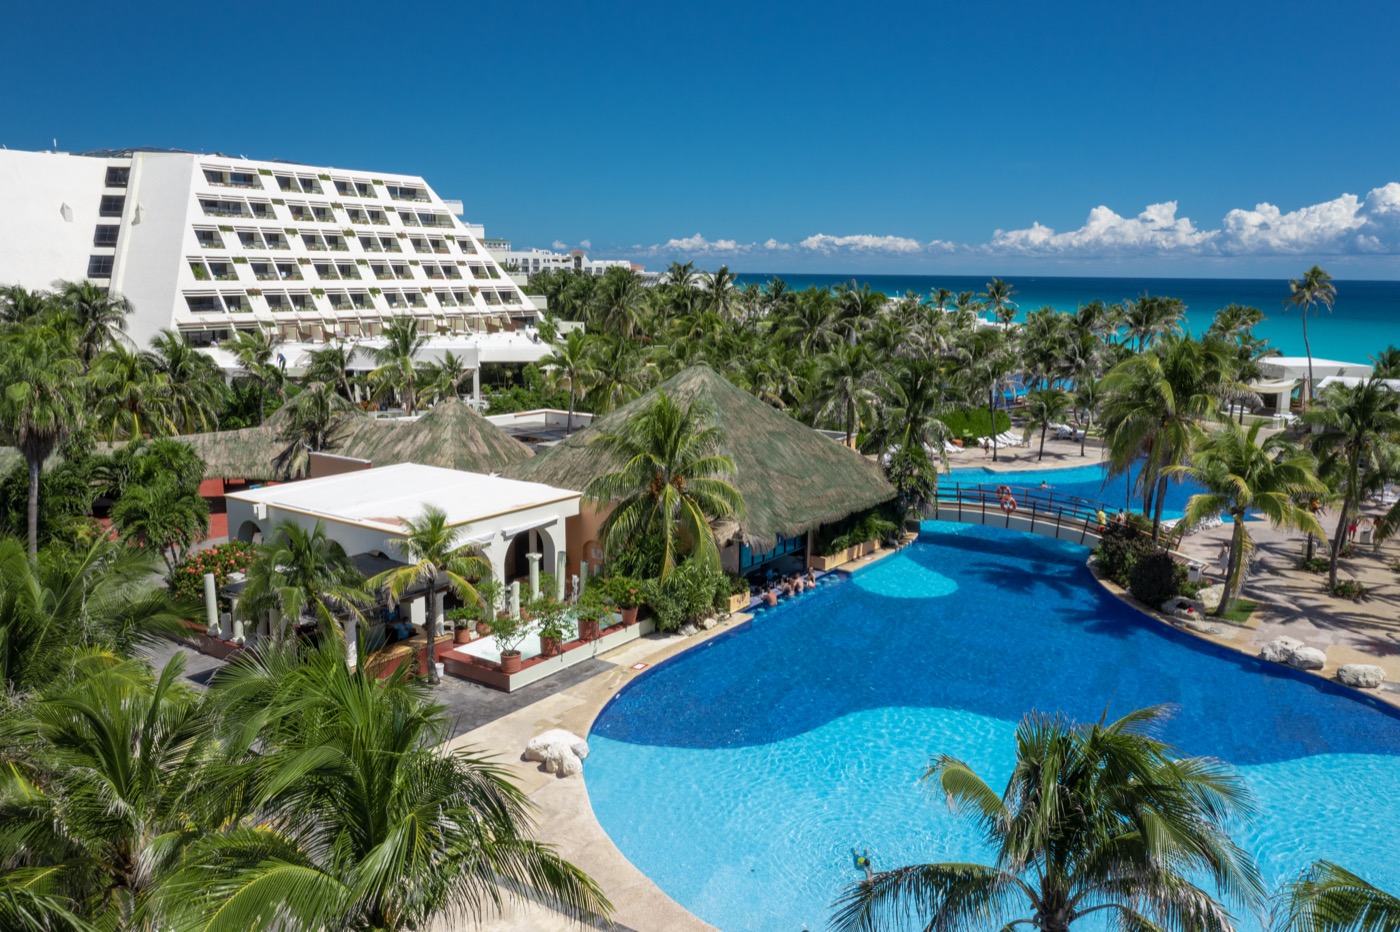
(364, 511)
(210, 244)
(533, 261)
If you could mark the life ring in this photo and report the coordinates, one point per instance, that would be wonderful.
(1003, 493)
(1008, 505)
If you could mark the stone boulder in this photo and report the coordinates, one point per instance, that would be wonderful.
(1307, 658)
(1361, 675)
(1211, 596)
(1182, 607)
(1280, 649)
(560, 751)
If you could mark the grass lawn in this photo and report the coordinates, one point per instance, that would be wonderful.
(1240, 613)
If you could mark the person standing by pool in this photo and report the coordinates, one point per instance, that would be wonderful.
(1102, 519)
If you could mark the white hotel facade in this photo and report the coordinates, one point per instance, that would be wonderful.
(208, 244)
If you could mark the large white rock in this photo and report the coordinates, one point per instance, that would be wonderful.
(1361, 675)
(560, 751)
(1308, 658)
(1210, 597)
(1280, 649)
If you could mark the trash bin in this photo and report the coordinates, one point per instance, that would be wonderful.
(1195, 572)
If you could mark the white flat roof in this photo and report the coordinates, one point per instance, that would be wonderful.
(379, 498)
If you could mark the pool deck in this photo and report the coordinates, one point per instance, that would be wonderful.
(563, 813)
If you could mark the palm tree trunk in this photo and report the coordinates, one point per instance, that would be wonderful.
(408, 401)
(992, 412)
(1307, 348)
(1234, 568)
(33, 506)
(569, 427)
(1043, 428)
(1084, 437)
(432, 635)
(1157, 511)
(1337, 539)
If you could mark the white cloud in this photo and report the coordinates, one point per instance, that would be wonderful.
(1345, 225)
(585, 244)
(861, 242)
(559, 245)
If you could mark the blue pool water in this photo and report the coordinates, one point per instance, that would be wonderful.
(1090, 481)
(739, 775)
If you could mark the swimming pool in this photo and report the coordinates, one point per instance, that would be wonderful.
(739, 775)
(1089, 481)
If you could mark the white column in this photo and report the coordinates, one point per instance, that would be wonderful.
(515, 599)
(211, 605)
(476, 387)
(534, 559)
(582, 576)
(561, 573)
(352, 635)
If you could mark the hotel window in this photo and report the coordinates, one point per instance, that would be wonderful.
(348, 269)
(112, 205)
(106, 235)
(99, 267)
(118, 177)
(204, 303)
(309, 185)
(209, 239)
(326, 270)
(250, 239)
(369, 244)
(262, 210)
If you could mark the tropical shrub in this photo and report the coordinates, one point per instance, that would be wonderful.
(622, 591)
(187, 580)
(1349, 589)
(1155, 577)
(975, 422)
(1119, 549)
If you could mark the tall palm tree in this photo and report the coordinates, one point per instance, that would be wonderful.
(362, 819)
(396, 359)
(1306, 293)
(1088, 399)
(847, 382)
(435, 557)
(442, 379)
(1386, 363)
(983, 362)
(20, 305)
(1330, 898)
(1153, 405)
(256, 352)
(316, 419)
(1359, 444)
(131, 398)
(620, 298)
(1095, 819)
(1148, 318)
(1044, 407)
(1241, 475)
(303, 574)
(997, 298)
(618, 372)
(672, 484)
(857, 308)
(331, 364)
(99, 314)
(192, 380)
(570, 368)
(41, 401)
(721, 292)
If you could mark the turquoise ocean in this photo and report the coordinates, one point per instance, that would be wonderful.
(1364, 319)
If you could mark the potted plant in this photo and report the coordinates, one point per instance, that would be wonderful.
(738, 593)
(490, 593)
(463, 623)
(626, 593)
(555, 631)
(509, 632)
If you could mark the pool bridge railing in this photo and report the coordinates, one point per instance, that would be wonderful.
(1023, 508)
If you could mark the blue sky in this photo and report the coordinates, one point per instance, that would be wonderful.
(1186, 138)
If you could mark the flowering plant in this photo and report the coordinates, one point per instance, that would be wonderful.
(187, 580)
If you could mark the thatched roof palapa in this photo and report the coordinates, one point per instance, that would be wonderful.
(451, 435)
(792, 478)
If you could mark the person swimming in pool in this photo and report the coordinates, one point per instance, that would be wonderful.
(863, 863)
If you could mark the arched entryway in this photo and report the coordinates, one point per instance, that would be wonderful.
(250, 533)
(533, 540)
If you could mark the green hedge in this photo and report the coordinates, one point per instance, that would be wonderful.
(973, 422)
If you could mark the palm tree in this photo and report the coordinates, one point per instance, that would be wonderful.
(1241, 475)
(1306, 293)
(19, 305)
(257, 355)
(1360, 426)
(998, 297)
(163, 518)
(435, 558)
(982, 364)
(1088, 398)
(1330, 898)
(119, 764)
(1153, 405)
(300, 574)
(396, 358)
(721, 292)
(856, 310)
(671, 486)
(316, 417)
(1095, 819)
(42, 401)
(1148, 318)
(618, 372)
(362, 819)
(193, 382)
(847, 381)
(1044, 407)
(620, 297)
(131, 398)
(99, 315)
(570, 368)
(442, 379)
(331, 364)
(1386, 363)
